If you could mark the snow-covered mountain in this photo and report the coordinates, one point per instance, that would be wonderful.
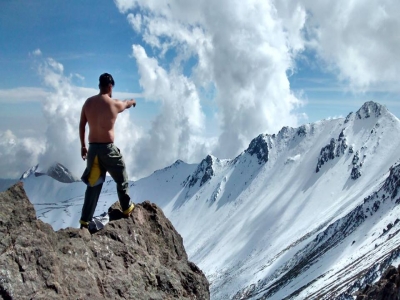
(56, 171)
(309, 212)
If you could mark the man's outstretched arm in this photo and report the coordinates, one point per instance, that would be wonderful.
(82, 126)
(122, 105)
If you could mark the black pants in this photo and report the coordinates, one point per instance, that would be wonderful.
(109, 159)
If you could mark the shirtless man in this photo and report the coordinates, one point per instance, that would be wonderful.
(101, 112)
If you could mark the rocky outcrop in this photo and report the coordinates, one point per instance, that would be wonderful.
(387, 288)
(259, 148)
(203, 173)
(335, 148)
(369, 109)
(57, 171)
(141, 257)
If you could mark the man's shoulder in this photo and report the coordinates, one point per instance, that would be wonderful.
(92, 98)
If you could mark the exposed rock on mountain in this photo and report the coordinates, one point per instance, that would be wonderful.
(203, 173)
(61, 173)
(259, 148)
(388, 287)
(57, 171)
(370, 108)
(335, 148)
(29, 172)
(137, 258)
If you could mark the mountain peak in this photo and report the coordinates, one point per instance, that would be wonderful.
(204, 171)
(370, 109)
(29, 172)
(259, 147)
(57, 171)
(61, 173)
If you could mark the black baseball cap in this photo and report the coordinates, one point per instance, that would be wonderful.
(105, 80)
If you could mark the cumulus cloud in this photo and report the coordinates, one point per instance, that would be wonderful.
(61, 109)
(176, 131)
(242, 50)
(358, 41)
(18, 154)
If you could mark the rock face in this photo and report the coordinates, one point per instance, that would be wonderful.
(259, 147)
(204, 170)
(141, 257)
(388, 287)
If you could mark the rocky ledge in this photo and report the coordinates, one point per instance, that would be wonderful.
(141, 257)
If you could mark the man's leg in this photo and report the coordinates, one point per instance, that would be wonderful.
(115, 165)
(89, 206)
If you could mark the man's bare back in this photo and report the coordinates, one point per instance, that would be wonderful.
(101, 112)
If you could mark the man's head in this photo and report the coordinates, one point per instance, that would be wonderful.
(106, 83)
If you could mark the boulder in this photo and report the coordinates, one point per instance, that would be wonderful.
(141, 257)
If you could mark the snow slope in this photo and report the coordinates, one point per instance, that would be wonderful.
(299, 214)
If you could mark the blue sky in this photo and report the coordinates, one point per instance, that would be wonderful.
(215, 74)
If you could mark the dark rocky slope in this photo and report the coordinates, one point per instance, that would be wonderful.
(137, 258)
(387, 288)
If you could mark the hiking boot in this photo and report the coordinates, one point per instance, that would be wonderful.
(127, 212)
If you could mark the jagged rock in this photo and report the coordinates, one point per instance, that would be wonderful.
(328, 152)
(204, 172)
(348, 117)
(29, 172)
(259, 147)
(387, 288)
(370, 108)
(302, 131)
(57, 171)
(355, 172)
(61, 173)
(141, 257)
(356, 158)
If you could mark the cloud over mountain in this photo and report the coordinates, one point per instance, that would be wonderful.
(237, 52)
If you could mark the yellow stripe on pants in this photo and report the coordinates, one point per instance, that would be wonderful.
(95, 172)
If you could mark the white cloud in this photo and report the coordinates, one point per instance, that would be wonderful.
(135, 21)
(243, 50)
(177, 131)
(18, 154)
(37, 52)
(61, 109)
(358, 40)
